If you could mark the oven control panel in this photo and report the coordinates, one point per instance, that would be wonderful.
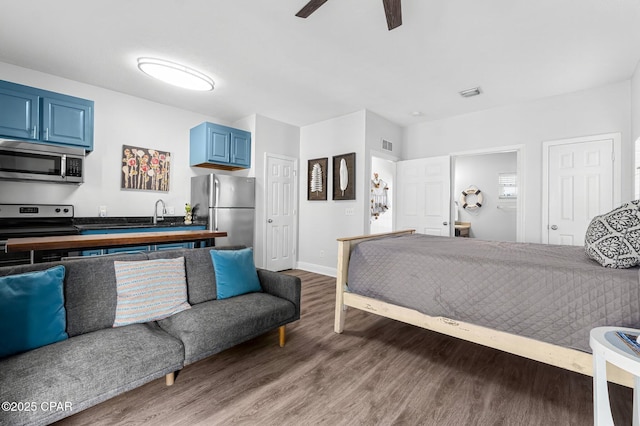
(36, 211)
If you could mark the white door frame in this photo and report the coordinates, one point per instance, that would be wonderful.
(520, 162)
(294, 200)
(617, 172)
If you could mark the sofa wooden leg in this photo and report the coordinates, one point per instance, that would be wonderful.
(281, 331)
(170, 378)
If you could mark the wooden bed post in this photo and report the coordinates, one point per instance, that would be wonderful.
(344, 253)
(344, 249)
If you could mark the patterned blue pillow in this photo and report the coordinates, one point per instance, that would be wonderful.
(235, 272)
(613, 239)
(149, 290)
(32, 312)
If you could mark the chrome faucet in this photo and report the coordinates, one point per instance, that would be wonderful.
(155, 212)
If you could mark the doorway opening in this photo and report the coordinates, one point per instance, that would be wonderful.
(381, 195)
(499, 175)
(492, 213)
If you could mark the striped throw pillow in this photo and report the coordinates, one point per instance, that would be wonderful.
(149, 290)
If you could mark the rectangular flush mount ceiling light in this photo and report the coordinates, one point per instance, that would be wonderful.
(471, 92)
(175, 74)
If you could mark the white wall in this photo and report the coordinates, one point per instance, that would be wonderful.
(635, 104)
(376, 129)
(601, 110)
(488, 222)
(273, 137)
(322, 222)
(119, 119)
(635, 126)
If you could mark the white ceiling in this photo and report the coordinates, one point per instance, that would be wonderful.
(341, 59)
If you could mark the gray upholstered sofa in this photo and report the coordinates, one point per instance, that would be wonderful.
(99, 361)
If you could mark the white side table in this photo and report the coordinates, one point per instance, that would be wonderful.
(608, 347)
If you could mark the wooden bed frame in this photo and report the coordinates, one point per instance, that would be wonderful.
(559, 356)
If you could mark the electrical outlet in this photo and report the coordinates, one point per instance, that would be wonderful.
(171, 210)
(321, 253)
(102, 211)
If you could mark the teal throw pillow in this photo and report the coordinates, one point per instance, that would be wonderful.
(235, 272)
(32, 312)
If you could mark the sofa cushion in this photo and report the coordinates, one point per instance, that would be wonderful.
(201, 278)
(86, 370)
(210, 327)
(149, 290)
(235, 272)
(613, 239)
(92, 305)
(32, 310)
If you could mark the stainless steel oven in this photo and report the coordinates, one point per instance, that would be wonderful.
(34, 220)
(47, 163)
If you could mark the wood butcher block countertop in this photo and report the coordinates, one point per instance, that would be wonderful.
(107, 240)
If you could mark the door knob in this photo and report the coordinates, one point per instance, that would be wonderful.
(270, 221)
(445, 223)
(554, 227)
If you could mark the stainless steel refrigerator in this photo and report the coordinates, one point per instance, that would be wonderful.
(228, 203)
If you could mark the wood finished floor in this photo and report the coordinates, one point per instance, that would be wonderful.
(378, 372)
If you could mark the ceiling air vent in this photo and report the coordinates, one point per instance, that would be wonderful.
(386, 145)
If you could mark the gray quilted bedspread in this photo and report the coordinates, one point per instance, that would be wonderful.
(547, 292)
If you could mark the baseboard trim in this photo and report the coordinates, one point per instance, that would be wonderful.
(318, 269)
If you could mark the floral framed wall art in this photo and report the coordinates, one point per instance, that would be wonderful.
(344, 177)
(145, 169)
(317, 179)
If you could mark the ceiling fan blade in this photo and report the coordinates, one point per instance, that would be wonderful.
(393, 11)
(310, 7)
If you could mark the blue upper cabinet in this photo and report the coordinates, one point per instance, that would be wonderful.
(218, 144)
(220, 147)
(241, 148)
(67, 122)
(19, 112)
(41, 116)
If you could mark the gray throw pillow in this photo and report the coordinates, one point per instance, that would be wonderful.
(613, 239)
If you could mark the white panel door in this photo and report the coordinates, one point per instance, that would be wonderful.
(423, 195)
(280, 251)
(580, 186)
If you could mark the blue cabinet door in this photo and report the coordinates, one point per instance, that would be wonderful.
(19, 112)
(96, 252)
(217, 144)
(173, 246)
(241, 148)
(67, 122)
(134, 249)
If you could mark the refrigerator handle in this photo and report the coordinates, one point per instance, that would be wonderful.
(216, 196)
(216, 191)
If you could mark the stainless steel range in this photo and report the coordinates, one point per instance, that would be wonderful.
(34, 220)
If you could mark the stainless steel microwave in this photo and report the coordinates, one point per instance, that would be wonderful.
(26, 161)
